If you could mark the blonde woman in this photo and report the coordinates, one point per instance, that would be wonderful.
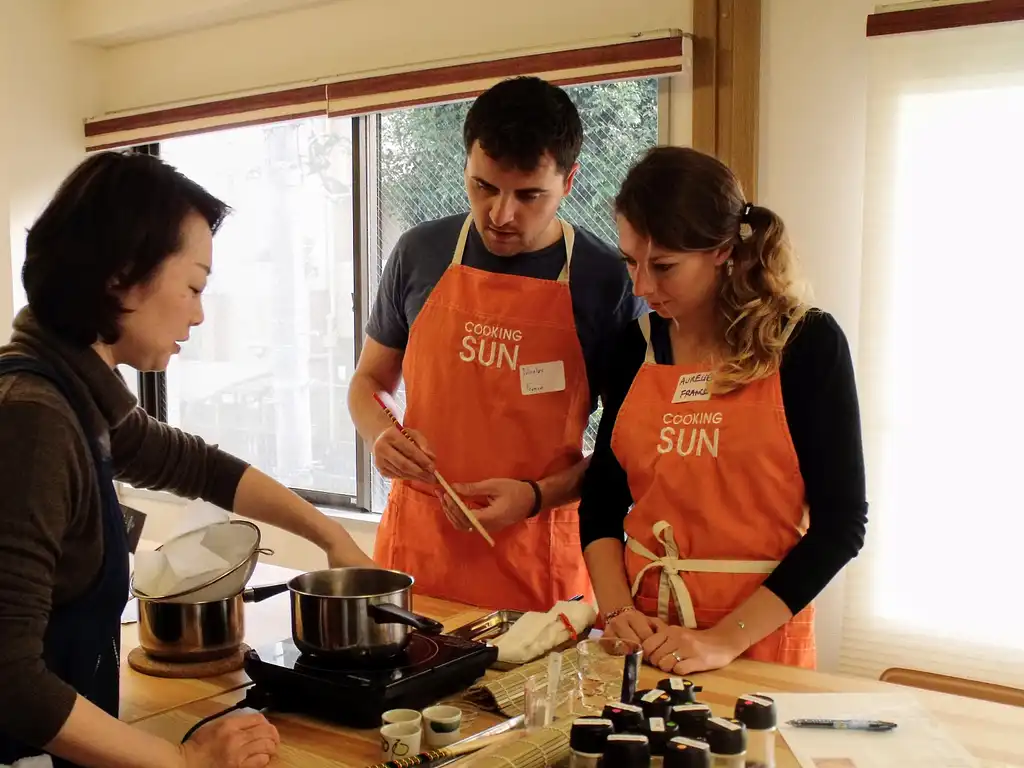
(726, 489)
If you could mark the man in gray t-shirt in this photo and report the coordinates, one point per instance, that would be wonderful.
(496, 320)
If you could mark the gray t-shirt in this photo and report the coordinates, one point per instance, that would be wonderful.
(602, 293)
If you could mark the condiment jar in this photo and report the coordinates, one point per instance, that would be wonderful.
(727, 740)
(654, 702)
(681, 752)
(626, 750)
(759, 715)
(586, 741)
(692, 719)
(659, 732)
(627, 718)
(681, 690)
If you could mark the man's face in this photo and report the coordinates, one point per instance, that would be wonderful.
(512, 209)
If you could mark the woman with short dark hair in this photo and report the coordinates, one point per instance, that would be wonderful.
(114, 273)
(729, 455)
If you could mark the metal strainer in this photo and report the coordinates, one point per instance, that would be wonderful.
(209, 563)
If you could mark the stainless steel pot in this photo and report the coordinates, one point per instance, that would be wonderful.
(172, 630)
(355, 614)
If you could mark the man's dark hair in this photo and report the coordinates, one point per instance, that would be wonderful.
(111, 223)
(517, 121)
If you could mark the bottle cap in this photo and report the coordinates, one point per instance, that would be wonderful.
(627, 750)
(692, 719)
(589, 734)
(726, 736)
(756, 712)
(687, 753)
(659, 732)
(681, 690)
(654, 702)
(627, 718)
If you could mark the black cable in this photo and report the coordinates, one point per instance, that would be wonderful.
(254, 699)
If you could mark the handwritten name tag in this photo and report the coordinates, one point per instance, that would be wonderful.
(542, 377)
(692, 387)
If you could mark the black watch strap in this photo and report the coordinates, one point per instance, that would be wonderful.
(536, 498)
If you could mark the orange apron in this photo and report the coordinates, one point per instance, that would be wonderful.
(496, 382)
(719, 499)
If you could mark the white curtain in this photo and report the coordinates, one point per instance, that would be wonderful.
(941, 375)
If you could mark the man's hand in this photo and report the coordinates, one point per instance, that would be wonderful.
(500, 503)
(399, 458)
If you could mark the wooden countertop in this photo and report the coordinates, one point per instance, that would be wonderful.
(168, 708)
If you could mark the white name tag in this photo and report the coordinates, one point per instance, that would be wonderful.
(692, 387)
(542, 377)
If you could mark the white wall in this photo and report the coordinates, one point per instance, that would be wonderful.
(352, 36)
(813, 89)
(48, 86)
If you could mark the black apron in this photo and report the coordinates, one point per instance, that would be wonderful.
(82, 644)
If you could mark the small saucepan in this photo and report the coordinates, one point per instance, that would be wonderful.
(200, 630)
(355, 614)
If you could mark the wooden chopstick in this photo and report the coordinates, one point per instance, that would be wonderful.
(444, 483)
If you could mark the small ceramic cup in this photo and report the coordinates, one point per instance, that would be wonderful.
(398, 740)
(442, 725)
(401, 716)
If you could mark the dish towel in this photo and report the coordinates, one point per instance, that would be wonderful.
(535, 633)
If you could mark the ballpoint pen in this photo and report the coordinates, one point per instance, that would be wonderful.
(843, 725)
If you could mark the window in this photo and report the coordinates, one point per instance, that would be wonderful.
(318, 205)
(934, 589)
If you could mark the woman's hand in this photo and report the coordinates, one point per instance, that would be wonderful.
(681, 651)
(236, 741)
(632, 625)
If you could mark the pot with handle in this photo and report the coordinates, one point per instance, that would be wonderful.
(355, 614)
(197, 631)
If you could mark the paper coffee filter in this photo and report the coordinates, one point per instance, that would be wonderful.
(194, 559)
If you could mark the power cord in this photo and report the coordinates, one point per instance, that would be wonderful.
(255, 698)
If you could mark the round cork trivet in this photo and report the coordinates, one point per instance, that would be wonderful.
(144, 664)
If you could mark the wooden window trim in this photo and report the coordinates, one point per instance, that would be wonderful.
(726, 84)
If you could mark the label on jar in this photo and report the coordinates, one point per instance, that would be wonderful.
(728, 724)
(677, 684)
(657, 725)
(691, 708)
(627, 707)
(759, 700)
(652, 696)
(691, 743)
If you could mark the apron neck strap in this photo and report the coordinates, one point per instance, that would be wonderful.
(644, 322)
(568, 233)
(460, 247)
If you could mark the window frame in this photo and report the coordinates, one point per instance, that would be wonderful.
(365, 244)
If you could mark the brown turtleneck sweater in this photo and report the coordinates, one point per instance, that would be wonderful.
(51, 535)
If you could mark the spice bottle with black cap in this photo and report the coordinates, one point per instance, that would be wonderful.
(681, 690)
(727, 739)
(681, 752)
(626, 750)
(758, 713)
(654, 702)
(659, 732)
(627, 718)
(586, 741)
(692, 719)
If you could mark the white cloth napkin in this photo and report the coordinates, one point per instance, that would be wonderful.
(537, 633)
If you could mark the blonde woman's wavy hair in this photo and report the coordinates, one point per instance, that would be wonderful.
(685, 200)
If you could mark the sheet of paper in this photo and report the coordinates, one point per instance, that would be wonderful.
(918, 742)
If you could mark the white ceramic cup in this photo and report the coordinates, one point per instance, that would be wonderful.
(442, 725)
(401, 716)
(398, 740)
